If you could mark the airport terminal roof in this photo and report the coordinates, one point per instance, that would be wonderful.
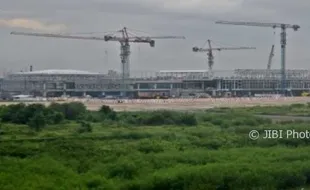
(183, 71)
(59, 72)
(217, 73)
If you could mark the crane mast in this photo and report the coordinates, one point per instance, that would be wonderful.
(211, 56)
(210, 59)
(125, 61)
(125, 39)
(282, 41)
(270, 57)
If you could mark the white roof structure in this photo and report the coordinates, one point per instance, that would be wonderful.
(183, 71)
(199, 73)
(21, 96)
(58, 72)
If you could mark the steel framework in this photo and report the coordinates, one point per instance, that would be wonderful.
(283, 42)
(210, 55)
(240, 81)
(125, 39)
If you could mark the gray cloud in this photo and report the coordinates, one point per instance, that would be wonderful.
(31, 24)
(194, 19)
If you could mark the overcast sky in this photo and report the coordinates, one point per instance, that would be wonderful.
(194, 19)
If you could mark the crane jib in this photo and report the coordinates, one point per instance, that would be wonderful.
(273, 25)
(283, 27)
(124, 40)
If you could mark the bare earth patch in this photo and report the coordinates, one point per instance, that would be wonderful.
(180, 104)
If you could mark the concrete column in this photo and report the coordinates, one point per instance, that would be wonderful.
(234, 93)
(138, 86)
(84, 94)
(64, 89)
(171, 86)
(213, 93)
(155, 86)
(44, 90)
(219, 86)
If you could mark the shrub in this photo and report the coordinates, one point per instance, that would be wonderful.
(188, 119)
(71, 111)
(21, 114)
(123, 168)
(37, 122)
(107, 113)
(55, 117)
(84, 127)
(105, 109)
(155, 118)
(148, 146)
(297, 106)
(14, 114)
(57, 107)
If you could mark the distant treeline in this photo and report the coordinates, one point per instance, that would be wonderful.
(38, 115)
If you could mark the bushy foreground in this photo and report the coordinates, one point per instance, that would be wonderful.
(38, 116)
(160, 150)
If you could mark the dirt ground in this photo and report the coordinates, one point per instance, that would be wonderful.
(181, 104)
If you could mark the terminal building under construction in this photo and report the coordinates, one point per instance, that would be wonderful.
(240, 82)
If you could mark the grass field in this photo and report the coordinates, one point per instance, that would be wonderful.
(217, 153)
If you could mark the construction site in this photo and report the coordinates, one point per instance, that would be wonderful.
(169, 84)
(165, 84)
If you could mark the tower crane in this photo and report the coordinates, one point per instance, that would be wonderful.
(283, 42)
(270, 57)
(210, 53)
(124, 39)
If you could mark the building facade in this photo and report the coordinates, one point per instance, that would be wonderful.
(169, 83)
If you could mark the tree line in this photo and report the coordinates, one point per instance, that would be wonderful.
(38, 116)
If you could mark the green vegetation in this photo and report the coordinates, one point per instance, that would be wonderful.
(289, 110)
(64, 146)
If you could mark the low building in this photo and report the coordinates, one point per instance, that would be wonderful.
(59, 82)
(239, 82)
